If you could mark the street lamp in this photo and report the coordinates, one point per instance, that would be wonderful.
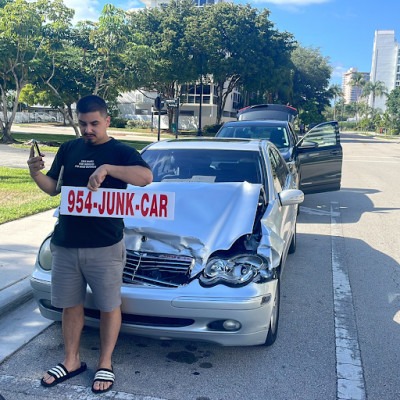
(193, 50)
(199, 131)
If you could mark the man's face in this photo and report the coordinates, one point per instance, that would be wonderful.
(93, 126)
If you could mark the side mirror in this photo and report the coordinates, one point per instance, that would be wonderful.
(290, 197)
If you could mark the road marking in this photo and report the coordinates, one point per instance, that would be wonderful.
(369, 161)
(350, 375)
(32, 387)
(313, 211)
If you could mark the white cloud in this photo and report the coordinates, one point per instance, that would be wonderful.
(84, 10)
(338, 70)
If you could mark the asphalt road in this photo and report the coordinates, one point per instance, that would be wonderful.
(17, 157)
(340, 313)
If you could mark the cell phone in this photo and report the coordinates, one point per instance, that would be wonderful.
(37, 147)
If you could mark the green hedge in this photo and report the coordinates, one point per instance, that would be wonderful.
(117, 122)
(211, 130)
(139, 124)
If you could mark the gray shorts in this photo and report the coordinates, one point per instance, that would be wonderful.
(101, 268)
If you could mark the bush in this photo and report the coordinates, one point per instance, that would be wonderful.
(348, 125)
(211, 130)
(117, 122)
(139, 124)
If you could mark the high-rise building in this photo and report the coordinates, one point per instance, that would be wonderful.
(352, 93)
(385, 64)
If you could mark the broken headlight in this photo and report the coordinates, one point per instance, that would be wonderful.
(236, 271)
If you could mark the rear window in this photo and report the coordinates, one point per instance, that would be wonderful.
(278, 135)
(199, 165)
(276, 112)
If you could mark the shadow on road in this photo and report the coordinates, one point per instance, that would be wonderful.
(320, 204)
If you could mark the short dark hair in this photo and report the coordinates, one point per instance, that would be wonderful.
(91, 103)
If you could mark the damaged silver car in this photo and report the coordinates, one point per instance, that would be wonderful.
(211, 271)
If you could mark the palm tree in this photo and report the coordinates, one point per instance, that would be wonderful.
(377, 89)
(359, 82)
(336, 92)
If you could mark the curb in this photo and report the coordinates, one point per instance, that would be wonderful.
(14, 295)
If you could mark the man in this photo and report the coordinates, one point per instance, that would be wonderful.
(89, 250)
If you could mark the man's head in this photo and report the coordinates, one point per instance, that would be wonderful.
(91, 103)
(93, 119)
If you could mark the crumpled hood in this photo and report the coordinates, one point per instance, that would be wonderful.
(207, 217)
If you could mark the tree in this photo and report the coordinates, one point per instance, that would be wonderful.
(310, 113)
(215, 42)
(358, 82)
(158, 52)
(23, 27)
(242, 49)
(311, 75)
(336, 93)
(377, 89)
(393, 106)
(86, 59)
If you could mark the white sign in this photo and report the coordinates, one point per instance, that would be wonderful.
(117, 203)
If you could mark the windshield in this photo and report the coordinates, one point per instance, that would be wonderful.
(204, 165)
(278, 135)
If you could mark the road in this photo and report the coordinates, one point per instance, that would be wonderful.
(340, 313)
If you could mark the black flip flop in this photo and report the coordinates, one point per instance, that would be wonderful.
(61, 374)
(103, 375)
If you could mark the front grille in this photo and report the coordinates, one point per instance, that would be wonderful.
(165, 270)
(131, 319)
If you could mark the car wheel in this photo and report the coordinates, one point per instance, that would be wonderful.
(274, 321)
(293, 243)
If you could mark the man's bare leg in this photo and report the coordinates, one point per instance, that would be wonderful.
(72, 325)
(110, 325)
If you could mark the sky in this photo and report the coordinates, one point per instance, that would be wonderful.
(343, 30)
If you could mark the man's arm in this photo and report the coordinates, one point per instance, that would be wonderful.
(44, 182)
(132, 174)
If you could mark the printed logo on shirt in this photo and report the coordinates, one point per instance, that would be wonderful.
(86, 164)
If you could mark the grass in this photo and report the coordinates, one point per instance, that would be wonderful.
(57, 140)
(20, 197)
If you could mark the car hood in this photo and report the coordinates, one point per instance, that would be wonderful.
(207, 217)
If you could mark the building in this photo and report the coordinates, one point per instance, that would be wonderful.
(385, 64)
(139, 106)
(352, 93)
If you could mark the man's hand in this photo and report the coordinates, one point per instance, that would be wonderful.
(35, 164)
(97, 178)
(133, 174)
(44, 182)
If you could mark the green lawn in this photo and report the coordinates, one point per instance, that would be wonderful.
(57, 140)
(20, 197)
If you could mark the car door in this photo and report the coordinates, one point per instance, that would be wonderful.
(320, 154)
(285, 217)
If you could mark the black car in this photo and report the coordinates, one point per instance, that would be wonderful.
(315, 159)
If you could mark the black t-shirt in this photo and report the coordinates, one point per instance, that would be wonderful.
(80, 160)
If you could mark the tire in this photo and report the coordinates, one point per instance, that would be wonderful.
(274, 321)
(293, 243)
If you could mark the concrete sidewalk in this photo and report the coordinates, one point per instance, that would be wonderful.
(19, 243)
